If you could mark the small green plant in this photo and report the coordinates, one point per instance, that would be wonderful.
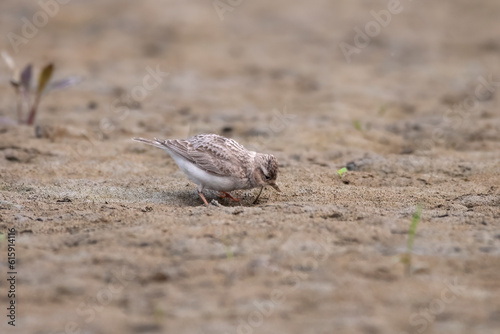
(229, 252)
(406, 258)
(158, 314)
(382, 109)
(357, 125)
(25, 95)
(342, 171)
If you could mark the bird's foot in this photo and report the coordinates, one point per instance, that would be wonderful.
(228, 195)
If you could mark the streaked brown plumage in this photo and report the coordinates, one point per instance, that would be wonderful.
(218, 163)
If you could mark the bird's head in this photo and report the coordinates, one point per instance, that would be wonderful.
(266, 171)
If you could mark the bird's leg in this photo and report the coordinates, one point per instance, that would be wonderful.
(257, 198)
(200, 188)
(228, 195)
(203, 198)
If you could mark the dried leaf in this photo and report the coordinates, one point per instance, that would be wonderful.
(44, 78)
(8, 60)
(15, 83)
(7, 121)
(26, 77)
(64, 83)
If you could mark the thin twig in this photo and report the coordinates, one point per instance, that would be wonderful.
(257, 198)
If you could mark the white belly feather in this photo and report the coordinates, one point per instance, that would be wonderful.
(201, 177)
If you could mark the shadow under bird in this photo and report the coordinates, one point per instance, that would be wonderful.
(218, 163)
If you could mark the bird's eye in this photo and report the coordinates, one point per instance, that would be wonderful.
(267, 177)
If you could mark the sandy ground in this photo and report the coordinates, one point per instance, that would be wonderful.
(112, 238)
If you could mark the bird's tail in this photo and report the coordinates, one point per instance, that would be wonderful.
(156, 142)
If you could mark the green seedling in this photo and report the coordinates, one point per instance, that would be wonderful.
(226, 241)
(229, 253)
(382, 109)
(158, 314)
(357, 125)
(25, 94)
(406, 258)
(342, 171)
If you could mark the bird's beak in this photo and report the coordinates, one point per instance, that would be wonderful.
(275, 186)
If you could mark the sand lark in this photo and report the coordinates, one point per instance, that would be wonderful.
(218, 163)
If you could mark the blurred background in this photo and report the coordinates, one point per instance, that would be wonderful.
(232, 63)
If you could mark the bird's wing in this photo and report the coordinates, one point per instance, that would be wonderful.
(212, 153)
(179, 147)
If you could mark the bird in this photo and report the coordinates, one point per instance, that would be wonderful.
(218, 163)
